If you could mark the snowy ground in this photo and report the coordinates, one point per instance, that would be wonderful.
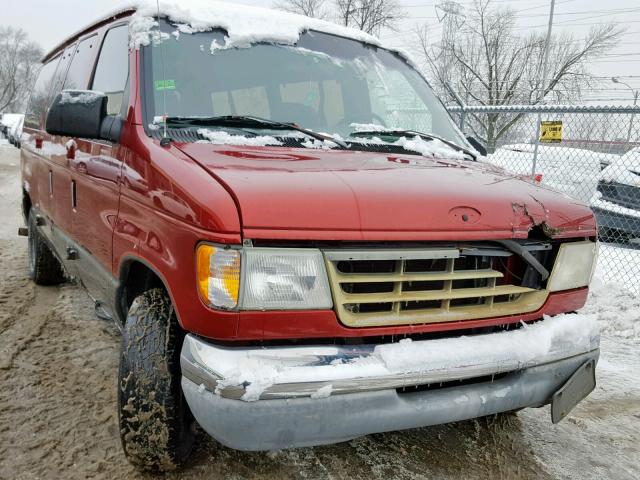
(58, 400)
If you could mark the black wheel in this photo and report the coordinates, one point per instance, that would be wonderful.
(44, 266)
(157, 428)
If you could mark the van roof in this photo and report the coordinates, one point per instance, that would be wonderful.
(244, 24)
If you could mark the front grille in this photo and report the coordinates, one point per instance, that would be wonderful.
(387, 287)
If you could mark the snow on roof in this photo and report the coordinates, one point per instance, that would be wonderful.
(244, 24)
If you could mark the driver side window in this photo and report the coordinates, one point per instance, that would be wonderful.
(112, 71)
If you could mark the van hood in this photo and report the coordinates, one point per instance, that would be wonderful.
(304, 194)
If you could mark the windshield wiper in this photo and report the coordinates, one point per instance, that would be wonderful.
(424, 136)
(247, 121)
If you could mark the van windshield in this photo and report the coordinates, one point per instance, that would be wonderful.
(324, 83)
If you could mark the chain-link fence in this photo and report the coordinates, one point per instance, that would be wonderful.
(590, 153)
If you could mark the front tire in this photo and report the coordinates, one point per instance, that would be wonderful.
(44, 266)
(157, 428)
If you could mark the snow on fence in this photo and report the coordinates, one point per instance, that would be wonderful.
(591, 153)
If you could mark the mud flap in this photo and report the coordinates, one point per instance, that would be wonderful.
(581, 384)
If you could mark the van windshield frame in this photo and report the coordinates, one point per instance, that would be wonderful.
(322, 67)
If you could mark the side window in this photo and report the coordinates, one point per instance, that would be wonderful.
(112, 70)
(81, 65)
(41, 95)
(61, 71)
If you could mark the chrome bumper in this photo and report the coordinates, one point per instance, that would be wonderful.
(270, 398)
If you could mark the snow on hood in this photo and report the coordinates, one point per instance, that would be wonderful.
(244, 25)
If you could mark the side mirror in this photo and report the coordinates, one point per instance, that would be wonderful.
(82, 114)
(480, 148)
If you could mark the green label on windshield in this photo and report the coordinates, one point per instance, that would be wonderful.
(165, 85)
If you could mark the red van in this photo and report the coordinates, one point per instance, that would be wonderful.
(298, 244)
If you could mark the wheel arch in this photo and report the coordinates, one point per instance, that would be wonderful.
(136, 276)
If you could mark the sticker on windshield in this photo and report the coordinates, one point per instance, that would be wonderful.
(165, 85)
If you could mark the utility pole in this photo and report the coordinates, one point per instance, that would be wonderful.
(636, 93)
(545, 71)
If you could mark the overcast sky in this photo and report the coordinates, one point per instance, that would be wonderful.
(50, 21)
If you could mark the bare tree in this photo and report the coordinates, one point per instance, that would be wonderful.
(19, 62)
(310, 8)
(370, 16)
(486, 63)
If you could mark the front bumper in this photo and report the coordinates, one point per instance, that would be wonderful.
(273, 398)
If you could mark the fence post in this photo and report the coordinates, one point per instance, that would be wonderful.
(536, 146)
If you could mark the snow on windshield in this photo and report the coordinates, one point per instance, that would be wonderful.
(244, 25)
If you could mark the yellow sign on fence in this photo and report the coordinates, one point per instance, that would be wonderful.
(551, 132)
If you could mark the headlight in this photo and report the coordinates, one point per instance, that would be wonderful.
(574, 266)
(283, 279)
(263, 278)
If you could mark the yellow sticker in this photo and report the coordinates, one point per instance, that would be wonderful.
(551, 132)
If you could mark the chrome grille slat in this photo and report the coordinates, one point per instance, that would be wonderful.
(446, 294)
(383, 292)
(416, 277)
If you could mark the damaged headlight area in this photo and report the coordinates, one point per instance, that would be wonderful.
(263, 278)
(574, 266)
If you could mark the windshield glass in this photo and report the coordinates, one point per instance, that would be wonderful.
(325, 83)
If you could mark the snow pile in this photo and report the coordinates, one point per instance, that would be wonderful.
(617, 269)
(244, 25)
(224, 138)
(564, 335)
(83, 97)
(324, 392)
(614, 296)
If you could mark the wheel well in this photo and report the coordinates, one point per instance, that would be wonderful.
(136, 279)
(26, 205)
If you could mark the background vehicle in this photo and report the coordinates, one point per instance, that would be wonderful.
(617, 201)
(8, 122)
(570, 170)
(262, 272)
(16, 132)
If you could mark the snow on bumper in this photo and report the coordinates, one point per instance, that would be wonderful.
(271, 398)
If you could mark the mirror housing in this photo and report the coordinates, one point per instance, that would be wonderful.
(78, 113)
(480, 148)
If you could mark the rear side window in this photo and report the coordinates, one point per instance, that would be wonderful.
(41, 95)
(81, 65)
(112, 70)
(61, 71)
